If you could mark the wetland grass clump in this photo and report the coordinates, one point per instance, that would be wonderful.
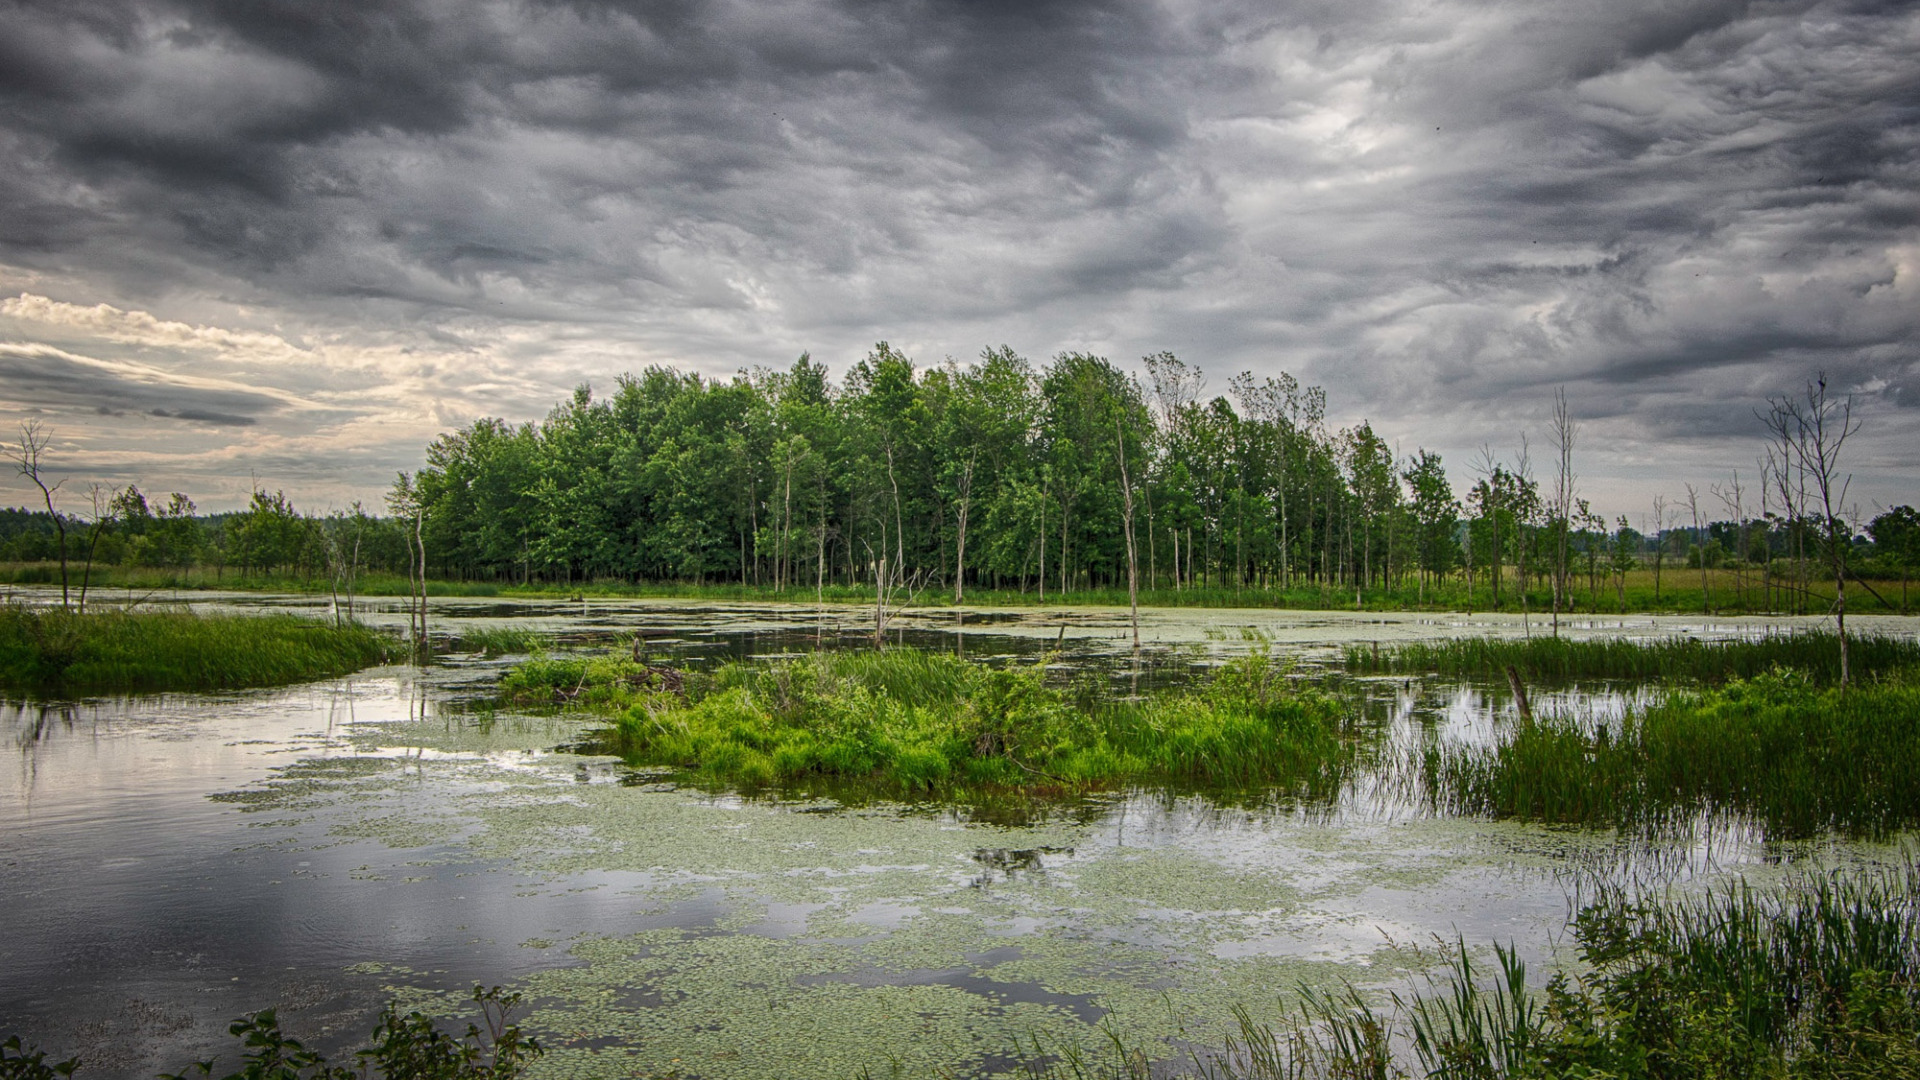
(1816, 980)
(1551, 659)
(46, 650)
(911, 723)
(1797, 758)
(494, 641)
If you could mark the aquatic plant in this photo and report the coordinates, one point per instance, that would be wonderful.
(912, 722)
(47, 650)
(1795, 757)
(1817, 653)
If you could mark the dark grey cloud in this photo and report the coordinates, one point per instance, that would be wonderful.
(41, 378)
(1440, 211)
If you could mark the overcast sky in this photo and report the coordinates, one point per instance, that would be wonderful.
(289, 241)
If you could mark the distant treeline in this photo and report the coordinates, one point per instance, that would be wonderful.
(271, 536)
(997, 473)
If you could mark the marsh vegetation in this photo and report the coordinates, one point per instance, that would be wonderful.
(1814, 654)
(107, 650)
(1818, 978)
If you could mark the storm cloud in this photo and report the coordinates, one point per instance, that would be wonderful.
(409, 214)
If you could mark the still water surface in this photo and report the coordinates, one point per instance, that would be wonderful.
(170, 862)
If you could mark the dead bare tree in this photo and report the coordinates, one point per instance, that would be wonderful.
(406, 501)
(1733, 502)
(960, 527)
(1693, 510)
(1658, 535)
(1133, 558)
(102, 518)
(1813, 429)
(1564, 430)
(893, 591)
(26, 457)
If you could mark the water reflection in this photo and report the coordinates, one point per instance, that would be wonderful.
(375, 830)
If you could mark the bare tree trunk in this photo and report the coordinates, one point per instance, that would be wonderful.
(1693, 509)
(1133, 562)
(1815, 430)
(960, 534)
(1564, 430)
(1043, 547)
(26, 457)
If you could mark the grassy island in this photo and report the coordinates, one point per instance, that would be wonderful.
(911, 723)
(47, 650)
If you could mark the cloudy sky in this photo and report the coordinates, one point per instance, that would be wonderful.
(289, 241)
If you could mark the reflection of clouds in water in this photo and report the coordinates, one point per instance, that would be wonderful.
(406, 831)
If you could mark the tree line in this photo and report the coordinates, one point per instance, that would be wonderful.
(997, 474)
(1006, 475)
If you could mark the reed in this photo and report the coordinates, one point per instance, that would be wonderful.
(52, 651)
(1551, 659)
(1797, 758)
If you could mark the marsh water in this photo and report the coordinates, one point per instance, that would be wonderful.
(170, 862)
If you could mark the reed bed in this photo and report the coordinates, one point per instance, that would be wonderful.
(908, 722)
(45, 650)
(1551, 659)
(1799, 759)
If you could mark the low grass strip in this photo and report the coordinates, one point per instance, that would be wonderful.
(1816, 653)
(49, 651)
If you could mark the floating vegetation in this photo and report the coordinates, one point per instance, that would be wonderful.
(1797, 758)
(1553, 659)
(911, 723)
(47, 650)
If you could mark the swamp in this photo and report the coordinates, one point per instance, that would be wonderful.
(734, 840)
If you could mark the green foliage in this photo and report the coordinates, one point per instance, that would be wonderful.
(409, 1047)
(1814, 653)
(20, 1064)
(52, 651)
(1792, 756)
(909, 723)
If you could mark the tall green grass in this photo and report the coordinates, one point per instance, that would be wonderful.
(907, 722)
(1797, 758)
(1819, 978)
(1817, 653)
(45, 650)
(492, 641)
